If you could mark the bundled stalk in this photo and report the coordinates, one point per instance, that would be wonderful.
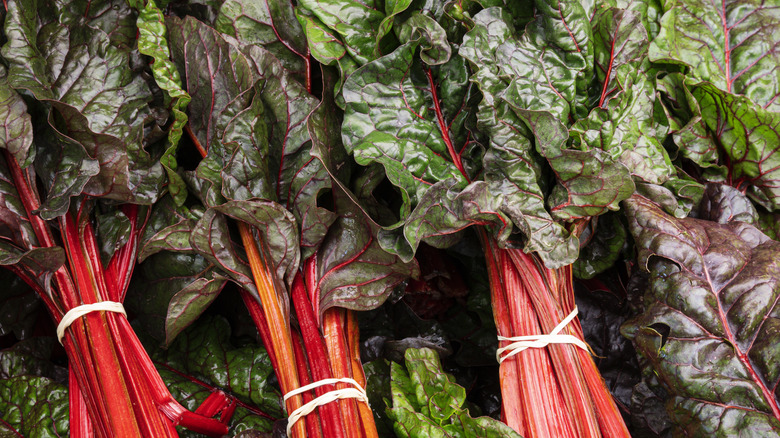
(115, 388)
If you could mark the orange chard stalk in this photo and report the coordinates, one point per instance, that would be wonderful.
(278, 323)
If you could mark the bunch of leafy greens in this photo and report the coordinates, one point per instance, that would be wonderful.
(346, 152)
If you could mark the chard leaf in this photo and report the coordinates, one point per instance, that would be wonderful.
(626, 129)
(730, 44)
(428, 402)
(206, 353)
(96, 141)
(591, 182)
(16, 134)
(152, 41)
(226, 116)
(34, 406)
(353, 271)
(356, 23)
(748, 135)
(387, 120)
(31, 357)
(714, 295)
(620, 43)
(211, 238)
(723, 204)
(278, 228)
(300, 178)
(603, 247)
(171, 290)
(271, 25)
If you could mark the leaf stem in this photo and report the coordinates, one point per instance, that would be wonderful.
(445, 132)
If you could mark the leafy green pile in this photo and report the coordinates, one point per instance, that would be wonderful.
(634, 143)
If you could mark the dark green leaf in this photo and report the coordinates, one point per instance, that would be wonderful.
(205, 352)
(20, 308)
(170, 290)
(713, 294)
(603, 248)
(34, 406)
(731, 44)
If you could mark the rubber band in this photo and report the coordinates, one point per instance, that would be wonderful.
(520, 343)
(79, 311)
(357, 392)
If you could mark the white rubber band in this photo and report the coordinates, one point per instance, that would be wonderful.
(520, 343)
(356, 392)
(79, 311)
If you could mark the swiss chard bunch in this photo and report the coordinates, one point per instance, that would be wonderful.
(77, 179)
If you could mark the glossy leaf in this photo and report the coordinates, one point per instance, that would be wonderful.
(205, 352)
(723, 204)
(95, 146)
(428, 402)
(152, 41)
(35, 406)
(731, 44)
(356, 23)
(749, 136)
(16, 134)
(271, 25)
(603, 248)
(709, 325)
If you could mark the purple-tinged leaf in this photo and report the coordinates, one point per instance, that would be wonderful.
(710, 325)
(730, 43)
(724, 204)
(211, 239)
(95, 145)
(16, 134)
(279, 232)
(270, 24)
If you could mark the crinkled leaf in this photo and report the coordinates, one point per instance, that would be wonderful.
(749, 137)
(356, 24)
(152, 41)
(99, 129)
(16, 134)
(205, 352)
(732, 44)
(353, 270)
(34, 406)
(769, 223)
(211, 238)
(428, 402)
(388, 120)
(620, 43)
(38, 260)
(325, 45)
(723, 204)
(271, 25)
(300, 178)
(714, 295)
(434, 47)
(591, 182)
(224, 114)
(512, 167)
(278, 229)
